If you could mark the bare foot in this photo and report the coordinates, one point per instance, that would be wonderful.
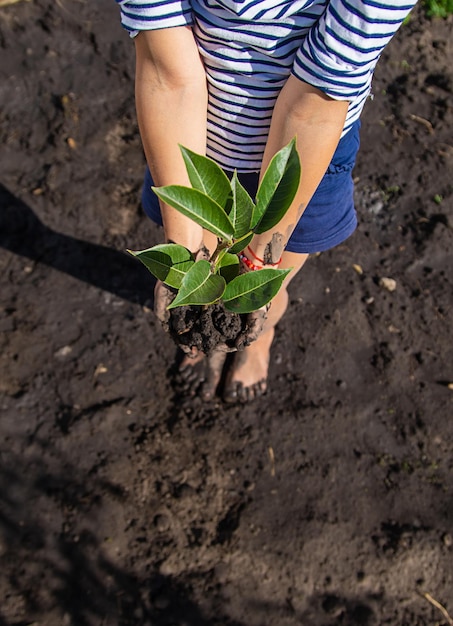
(191, 374)
(247, 376)
(201, 375)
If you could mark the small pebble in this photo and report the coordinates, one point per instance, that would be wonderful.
(167, 568)
(63, 352)
(100, 369)
(393, 329)
(387, 283)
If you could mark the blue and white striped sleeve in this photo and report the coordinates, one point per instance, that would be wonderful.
(341, 51)
(137, 15)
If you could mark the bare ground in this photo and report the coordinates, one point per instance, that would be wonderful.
(327, 502)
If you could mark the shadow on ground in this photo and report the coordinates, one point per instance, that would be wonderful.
(23, 233)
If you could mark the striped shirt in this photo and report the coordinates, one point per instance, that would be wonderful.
(250, 47)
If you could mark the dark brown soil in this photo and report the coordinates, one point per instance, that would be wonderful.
(327, 502)
(205, 328)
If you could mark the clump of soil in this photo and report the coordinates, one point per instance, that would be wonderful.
(206, 327)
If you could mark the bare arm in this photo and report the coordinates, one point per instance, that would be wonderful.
(171, 101)
(317, 121)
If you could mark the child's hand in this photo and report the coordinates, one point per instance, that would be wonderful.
(163, 296)
(254, 328)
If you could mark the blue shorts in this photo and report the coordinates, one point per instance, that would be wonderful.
(330, 216)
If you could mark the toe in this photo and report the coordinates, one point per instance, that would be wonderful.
(200, 375)
(237, 392)
(230, 393)
(214, 369)
(191, 374)
(207, 392)
(260, 388)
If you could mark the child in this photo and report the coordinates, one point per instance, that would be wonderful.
(237, 80)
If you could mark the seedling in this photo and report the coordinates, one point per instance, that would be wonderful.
(226, 209)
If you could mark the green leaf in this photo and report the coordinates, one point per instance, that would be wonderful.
(277, 188)
(206, 176)
(199, 207)
(240, 244)
(229, 266)
(199, 286)
(168, 262)
(242, 209)
(249, 292)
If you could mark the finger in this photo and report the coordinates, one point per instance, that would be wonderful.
(223, 347)
(162, 298)
(203, 253)
(255, 326)
(191, 351)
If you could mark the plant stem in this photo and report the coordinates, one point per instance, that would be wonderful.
(222, 246)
